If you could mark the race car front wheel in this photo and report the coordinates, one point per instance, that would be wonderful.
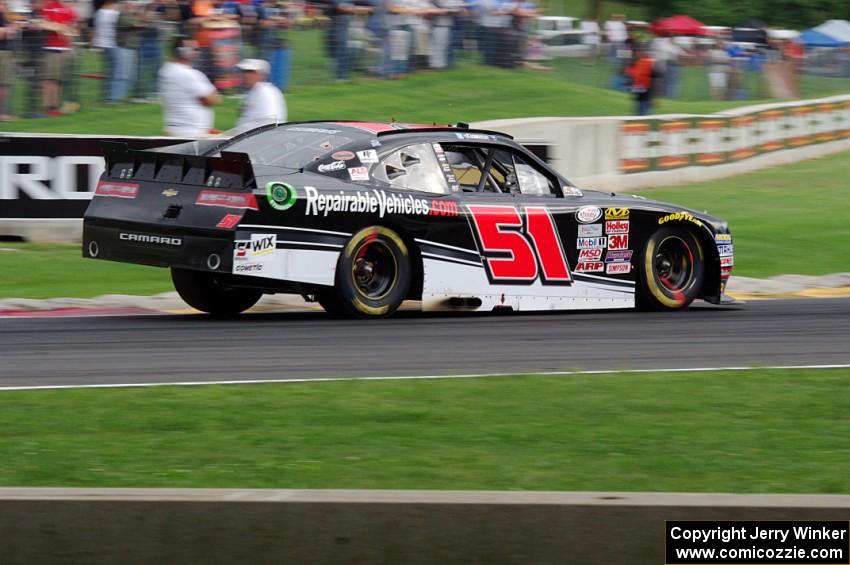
(203, 291)
(672, 270)
(372, 276)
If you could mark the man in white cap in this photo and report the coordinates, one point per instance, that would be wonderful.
(264, 103)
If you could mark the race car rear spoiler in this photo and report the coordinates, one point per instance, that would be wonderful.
(231, 170)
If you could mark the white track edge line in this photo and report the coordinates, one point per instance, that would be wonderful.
(428, 377)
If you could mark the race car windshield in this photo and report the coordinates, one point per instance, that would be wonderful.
(291, 146)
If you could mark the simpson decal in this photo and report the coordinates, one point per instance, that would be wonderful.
(618, 268)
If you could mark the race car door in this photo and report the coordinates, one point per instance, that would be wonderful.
(527, 237)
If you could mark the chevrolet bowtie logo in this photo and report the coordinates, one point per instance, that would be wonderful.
(170, 192)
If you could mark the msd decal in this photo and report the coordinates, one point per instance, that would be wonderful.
(519, 248)
(620, 241)
(594, 254)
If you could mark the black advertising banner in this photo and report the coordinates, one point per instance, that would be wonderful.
(50, 177)
(757, 542)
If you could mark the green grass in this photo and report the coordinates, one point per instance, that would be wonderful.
(469, 93)
(753, 431)
(36, 270)
(789, 219)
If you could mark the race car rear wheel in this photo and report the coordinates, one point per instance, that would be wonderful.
(672, 270)
(373, 273)
(204, 291)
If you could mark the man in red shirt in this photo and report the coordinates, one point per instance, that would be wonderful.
(640, 71)
(60, 22)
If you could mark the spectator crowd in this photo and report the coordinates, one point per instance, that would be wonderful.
(145, 44)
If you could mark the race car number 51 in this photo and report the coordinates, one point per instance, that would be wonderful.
(518, 251)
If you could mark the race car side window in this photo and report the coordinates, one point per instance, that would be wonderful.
(467, 163)
(414, 167)
(531, 180)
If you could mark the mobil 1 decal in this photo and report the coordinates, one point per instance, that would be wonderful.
(519, 245)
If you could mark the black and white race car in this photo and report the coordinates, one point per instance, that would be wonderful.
(362, 216)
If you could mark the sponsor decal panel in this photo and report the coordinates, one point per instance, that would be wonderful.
(519, 248)
(618, 255)
(591, 242)
(725, 250)
(589, 230)
(368, 156)
(679, 217)
(343, 156)
(151, 239)
(358, 173)
(331, 167)
(618, 241)
(616, 214)
(590, 267)
(618, 268)
(117, 189)
(616, 226)
(594, 254)
(727, 261)
(588, 214)
(254, 255)
(375, 201)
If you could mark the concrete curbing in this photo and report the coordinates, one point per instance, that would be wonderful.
(368, 526)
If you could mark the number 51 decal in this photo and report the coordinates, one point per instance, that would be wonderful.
(517, 251)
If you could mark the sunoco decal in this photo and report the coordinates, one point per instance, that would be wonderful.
(281, 196)
(375, 201)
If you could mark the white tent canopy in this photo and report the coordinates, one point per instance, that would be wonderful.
(837, 29)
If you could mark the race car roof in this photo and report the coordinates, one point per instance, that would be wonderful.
(381, 128)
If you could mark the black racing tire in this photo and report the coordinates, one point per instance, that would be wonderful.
(671, 270)
(373, 274)
(203, 291)
(329, 300)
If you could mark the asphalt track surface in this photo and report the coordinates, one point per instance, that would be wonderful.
(169, 348)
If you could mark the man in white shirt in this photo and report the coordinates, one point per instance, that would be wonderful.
(590, 37)
(264, 103)
(187, 94)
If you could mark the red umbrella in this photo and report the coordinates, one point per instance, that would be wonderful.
(678, 25)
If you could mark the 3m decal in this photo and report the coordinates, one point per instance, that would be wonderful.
(589, 230)
(519, 248)
(617, 226)
(280, 195)
(591, 242)
(618, 268)
(590, 254)
(679, 217)
(358, 173)
(590, 267)
(617, 214)
(588, 214)
(618, 241)
(331, 167)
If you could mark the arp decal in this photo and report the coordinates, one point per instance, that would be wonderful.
(590, 267)
(617, 214)
(519, 248)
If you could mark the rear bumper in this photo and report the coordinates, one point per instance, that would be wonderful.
(147, 244)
